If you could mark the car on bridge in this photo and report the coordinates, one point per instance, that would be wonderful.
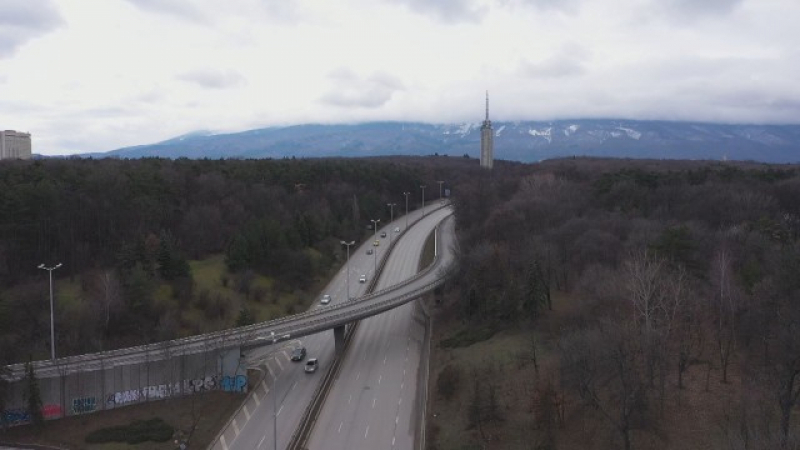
(396, 229)
(369, 251)
(311, 365)
(325, 299)
(298, 354)
(362, 279)
(383, 234)
(376, 243)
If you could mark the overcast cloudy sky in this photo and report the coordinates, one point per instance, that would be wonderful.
(96, 75)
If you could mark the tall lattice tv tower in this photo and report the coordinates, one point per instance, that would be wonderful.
(487, 139)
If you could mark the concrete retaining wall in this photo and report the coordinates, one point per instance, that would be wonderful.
(162, 375)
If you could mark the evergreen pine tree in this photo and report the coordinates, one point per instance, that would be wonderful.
(34, 396)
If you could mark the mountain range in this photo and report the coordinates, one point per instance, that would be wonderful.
(519, 141)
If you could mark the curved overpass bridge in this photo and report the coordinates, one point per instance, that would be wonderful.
(111, 371)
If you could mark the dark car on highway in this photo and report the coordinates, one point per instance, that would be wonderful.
(298, 354)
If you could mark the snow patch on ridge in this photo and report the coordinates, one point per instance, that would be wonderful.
(499, 130)
(571, 129)
(633, 134)
(547, 134)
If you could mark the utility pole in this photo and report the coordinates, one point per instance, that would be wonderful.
(423, 199)
(375, 223)
(52, 315)
(391, 219)
(406, 194)
(440, 190)
(347, 278)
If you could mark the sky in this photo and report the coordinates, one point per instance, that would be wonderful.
(97, 75)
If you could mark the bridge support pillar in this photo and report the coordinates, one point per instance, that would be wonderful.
(338, 340)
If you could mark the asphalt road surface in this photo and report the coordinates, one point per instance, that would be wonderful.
(287, 379)
(374, 403)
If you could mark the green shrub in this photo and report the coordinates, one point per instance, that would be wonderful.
(136, 432)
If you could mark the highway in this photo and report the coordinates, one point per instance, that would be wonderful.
(295, 388)
(372, 403)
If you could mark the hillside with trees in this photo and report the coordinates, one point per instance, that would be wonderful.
(633, 304)
(155, 249)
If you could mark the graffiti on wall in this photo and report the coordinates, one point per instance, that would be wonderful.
(236, 383)
(16, 416)
(13, 417)
(83, 405)
(52, 411)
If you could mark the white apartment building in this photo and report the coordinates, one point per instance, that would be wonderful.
(15, 145)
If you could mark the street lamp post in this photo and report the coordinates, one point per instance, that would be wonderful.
(52, 319)
(423, 199)
(375, 223)
(275, 401)
(347, 278)
(440, 190)
(391, 219)
(406, 194)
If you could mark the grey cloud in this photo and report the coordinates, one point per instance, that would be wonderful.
(569, 61)
(214, 79)
(693, 9)
(350, 90)
(24, 20)
(281, 10)
(447, 11)
(182, 9)
(565, 6)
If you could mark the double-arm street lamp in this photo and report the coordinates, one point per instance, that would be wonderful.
(347, 278)
(52, 320)
(391, 219)
(375, 223)
(423, 199)
(406, 194)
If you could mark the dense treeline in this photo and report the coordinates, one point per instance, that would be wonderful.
(669, 268)
(123, 228)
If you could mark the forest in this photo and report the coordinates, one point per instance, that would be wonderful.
(636, 304)
(129, 232)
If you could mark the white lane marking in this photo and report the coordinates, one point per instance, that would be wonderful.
(396, 420)
(402, 385)
(255, 397)
(384, 360)
(279, 411)
(246, 412)
(224, 442)
(279, 363)
(340, 427)
(349, 398)
(380, 377)
(366, 432)
(295, 384)
(399, 401)
(261, 441)
(373, 402)
(358, 375)
(393, 438)
(235, 427)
